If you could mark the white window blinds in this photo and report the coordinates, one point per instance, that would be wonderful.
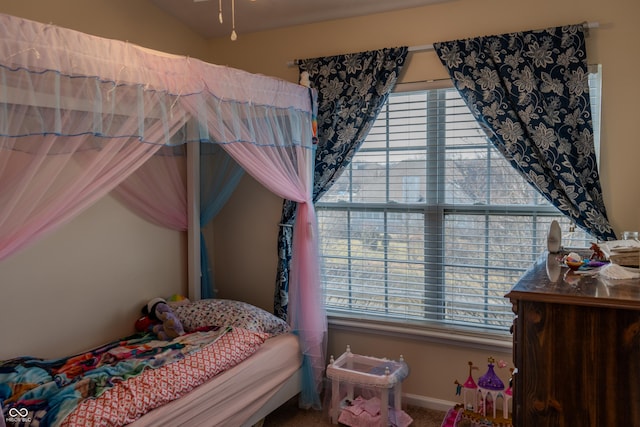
(429, 224)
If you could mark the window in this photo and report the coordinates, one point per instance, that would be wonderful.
(429, 224)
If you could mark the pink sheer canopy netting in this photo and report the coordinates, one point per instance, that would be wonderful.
(157, 190)
(80, 114)
(39, 47)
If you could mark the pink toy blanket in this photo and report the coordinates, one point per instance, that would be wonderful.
(366, 412)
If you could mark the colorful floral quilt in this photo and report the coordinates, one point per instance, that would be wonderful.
(51, 389)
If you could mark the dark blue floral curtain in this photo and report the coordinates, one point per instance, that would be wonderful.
(530, 92)
(352, 89)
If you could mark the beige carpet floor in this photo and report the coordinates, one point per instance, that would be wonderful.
(289, 415)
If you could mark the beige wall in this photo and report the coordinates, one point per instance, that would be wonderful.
(434, 365)
(136, 21)
(86, 283)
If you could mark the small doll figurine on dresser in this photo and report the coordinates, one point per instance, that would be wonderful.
(597, 254)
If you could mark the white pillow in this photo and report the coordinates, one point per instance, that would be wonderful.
(223, 312)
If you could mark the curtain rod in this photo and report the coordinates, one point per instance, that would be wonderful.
(429, 47)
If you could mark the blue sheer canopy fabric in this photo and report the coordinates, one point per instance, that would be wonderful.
(352, 88)
(219, 177)
(529, 91)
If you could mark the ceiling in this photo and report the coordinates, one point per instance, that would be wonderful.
(260, 15)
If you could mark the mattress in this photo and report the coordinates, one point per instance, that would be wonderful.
(233, 397)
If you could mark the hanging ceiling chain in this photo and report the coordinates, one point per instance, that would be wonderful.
(234, 35)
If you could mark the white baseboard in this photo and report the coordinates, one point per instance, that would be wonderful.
(427, 402)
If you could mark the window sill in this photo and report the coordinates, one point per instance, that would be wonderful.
(476, 339)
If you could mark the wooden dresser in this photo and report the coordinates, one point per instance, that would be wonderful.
(576, 347)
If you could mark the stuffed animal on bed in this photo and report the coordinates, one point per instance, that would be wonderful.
(143, 324)
(177, 300)
(170, 326)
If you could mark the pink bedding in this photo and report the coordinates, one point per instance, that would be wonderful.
(239, 396)
(129, 400)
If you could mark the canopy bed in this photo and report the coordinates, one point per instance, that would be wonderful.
(81, 116)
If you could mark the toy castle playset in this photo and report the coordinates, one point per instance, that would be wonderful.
(485, 403)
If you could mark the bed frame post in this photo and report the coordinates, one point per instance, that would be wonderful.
(193, 212)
